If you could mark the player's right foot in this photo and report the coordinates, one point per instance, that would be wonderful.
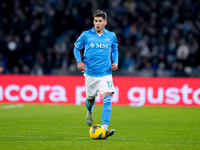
(109, 132)
(89, 117)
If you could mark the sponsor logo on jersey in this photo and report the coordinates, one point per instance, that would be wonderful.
(92, 45)
(99, 45)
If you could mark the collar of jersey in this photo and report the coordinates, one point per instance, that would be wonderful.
(105, 31)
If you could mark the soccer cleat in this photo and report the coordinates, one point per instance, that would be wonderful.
(109, 132)
(89, 117)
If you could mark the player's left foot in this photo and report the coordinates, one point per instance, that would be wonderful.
(109, 132)
(89, 117)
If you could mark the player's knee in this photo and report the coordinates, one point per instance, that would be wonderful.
(106, 94)
(91, 100)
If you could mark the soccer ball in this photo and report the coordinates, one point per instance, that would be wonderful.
(97, 131)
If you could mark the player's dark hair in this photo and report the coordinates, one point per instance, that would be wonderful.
(100, 13)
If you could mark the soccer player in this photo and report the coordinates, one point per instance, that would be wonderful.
(99, 44)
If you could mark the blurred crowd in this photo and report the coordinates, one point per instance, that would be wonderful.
(156, 38)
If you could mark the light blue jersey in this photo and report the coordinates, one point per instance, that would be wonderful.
(97, 52)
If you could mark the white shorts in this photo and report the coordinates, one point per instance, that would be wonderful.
(93, 85)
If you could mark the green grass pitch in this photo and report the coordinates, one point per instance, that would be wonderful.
(63, 127)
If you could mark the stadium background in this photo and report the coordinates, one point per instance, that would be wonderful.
(156, 39)
(158, 66)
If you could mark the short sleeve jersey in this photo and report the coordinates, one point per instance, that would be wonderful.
(97, 51)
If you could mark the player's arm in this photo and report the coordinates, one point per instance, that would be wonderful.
(115, 59)
(77, 54)
(79, 44)
(114, 54)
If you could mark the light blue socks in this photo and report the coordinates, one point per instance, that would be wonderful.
(107, 109)
(88, 105)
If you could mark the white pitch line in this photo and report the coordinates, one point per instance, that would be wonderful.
(128, 139)
(12, 106)
(177, 140)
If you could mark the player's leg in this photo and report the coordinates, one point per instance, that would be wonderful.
(89, 106)
(106, 113)
(107, 109)
(89, 103)
(107, 89)
(91, 93)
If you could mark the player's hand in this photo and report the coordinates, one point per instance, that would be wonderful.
(81, 66)
(114, 66)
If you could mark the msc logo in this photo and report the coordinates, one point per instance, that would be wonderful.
(99, 45)
(92, 45)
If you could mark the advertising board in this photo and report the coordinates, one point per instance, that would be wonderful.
(133, 91)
